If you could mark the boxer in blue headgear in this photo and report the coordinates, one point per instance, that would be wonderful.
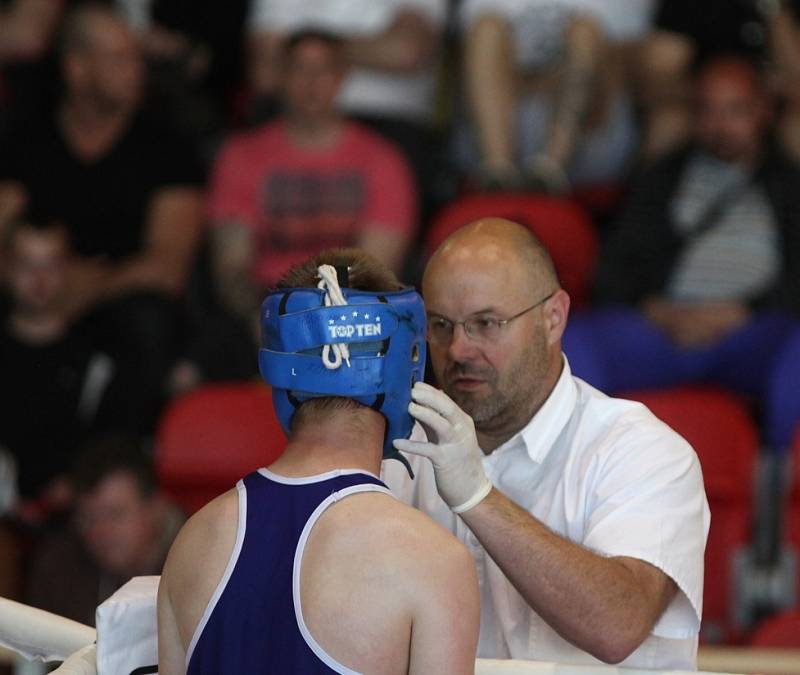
(312, 558)
(354, 336)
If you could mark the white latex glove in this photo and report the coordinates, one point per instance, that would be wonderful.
(452, 448)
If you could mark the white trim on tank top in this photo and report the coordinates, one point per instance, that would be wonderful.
(317, 478)
(240, 532)
(223, 582)
(315, 647)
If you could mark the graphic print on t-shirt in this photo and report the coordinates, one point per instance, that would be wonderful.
(312, 210)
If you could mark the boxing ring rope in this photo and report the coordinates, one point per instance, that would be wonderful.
(36, 634)
(40, 635)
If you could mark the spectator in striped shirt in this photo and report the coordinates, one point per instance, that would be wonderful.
(701, 275)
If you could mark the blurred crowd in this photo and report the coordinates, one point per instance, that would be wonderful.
(163, 162)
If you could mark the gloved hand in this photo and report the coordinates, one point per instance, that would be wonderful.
(452, 447)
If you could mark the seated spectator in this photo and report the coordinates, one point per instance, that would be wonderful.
(49, 389)
(687, 33)
(704, 264)
(194, 58)
(53, 377)
(129, 195)
(545, 85)
(310, 181)
(122, 527)
(391, 45)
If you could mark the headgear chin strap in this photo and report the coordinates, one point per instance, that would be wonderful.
(373, 346)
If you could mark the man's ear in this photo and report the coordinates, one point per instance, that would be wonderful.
(556, 312)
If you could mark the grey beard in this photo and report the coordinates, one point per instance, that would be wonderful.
(480, 410)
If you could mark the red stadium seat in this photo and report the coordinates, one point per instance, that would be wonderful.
(780, 630)
(796, 453)
(599, 199)
(563, 227)
(213, 436)
(719, 427)
(795, 463)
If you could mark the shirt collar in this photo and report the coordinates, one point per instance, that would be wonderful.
(539, 435)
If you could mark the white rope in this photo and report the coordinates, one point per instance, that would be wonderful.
(329, 283)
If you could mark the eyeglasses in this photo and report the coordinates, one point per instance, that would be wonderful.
(478, 328)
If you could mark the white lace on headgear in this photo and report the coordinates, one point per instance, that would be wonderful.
(329, 282)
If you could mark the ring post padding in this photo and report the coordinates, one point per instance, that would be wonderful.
(36, 634)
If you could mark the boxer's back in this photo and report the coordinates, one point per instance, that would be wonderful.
(377, 587)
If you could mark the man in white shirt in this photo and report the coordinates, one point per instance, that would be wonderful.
(586, 516)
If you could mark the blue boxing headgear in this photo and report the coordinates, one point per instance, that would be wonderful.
(380, 353)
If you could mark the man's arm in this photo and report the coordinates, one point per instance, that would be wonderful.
(26, 27)
(263, 62)
(388, 246)
(186, 585)
(445, 625)
(173, 229)
(388, 220)
(171, 654)
(406, 45)
(232, 258)
(174, 226)
(571, 588)
(694, 325)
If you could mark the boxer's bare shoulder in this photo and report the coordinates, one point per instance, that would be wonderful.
(383, 583)
(197, 561)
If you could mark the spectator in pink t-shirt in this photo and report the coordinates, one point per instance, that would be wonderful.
(310, 181)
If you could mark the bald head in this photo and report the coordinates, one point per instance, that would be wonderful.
(495, 271)
(502, 243)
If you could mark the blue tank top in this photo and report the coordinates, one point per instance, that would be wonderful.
(253, 622)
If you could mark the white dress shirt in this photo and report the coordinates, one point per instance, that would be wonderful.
(605, 474)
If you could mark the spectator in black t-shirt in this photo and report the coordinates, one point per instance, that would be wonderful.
(687, 33)
(700, 277)
(43, 367)
(128, 192)
(52, 377)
